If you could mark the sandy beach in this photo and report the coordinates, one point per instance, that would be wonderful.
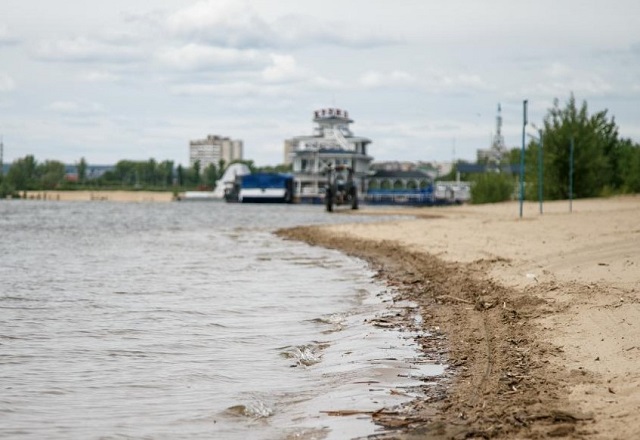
(114, 196)
(539, 315)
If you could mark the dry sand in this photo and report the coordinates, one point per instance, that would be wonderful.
(114, 196)
(541, 314)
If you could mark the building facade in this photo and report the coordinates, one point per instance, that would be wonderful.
(331, 144)
(213, 149)
(289, 148)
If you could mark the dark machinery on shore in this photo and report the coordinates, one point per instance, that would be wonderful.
(341, 188)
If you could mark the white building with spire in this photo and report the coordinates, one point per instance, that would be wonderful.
(331, 144)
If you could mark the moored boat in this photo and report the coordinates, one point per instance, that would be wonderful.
(263, 188)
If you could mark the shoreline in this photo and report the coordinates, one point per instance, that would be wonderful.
(537, 315)
(100, 196)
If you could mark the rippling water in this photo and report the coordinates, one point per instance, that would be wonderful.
(186, 320)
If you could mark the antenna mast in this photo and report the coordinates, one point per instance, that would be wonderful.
(498, 149)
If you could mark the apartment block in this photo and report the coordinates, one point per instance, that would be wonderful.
(214, 148)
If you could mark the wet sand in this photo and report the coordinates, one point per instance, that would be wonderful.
(537, 317)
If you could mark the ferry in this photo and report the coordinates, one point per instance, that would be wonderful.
(262, 188)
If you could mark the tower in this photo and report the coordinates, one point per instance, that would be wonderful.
(498, 149)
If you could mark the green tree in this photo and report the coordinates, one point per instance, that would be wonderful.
(22, 174)
(6, 189)
(125, 172)
(180, 175)
(210, 176)
(492, 187)
(195, 173)
(82, 170)
(629, 166)
(148, 173)
(595, 141)
(165, 172)
(50, 174)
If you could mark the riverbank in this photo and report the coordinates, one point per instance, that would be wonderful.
(539, 314)
(87, 196)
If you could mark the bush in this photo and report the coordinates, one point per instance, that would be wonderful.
(492, 188)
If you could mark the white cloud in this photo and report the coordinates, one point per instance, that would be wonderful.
(229, 90)
(261, 95)
(223, 22)
(75, 108)
(304, 30)
(7, 83)
(428, 69)
(6, 36)
(99, 76)
(438, 81)
(432, 81)
(84, 49)
(395, 78)
(283, 69)
(559, 79)
(557, 71)
(235, 23)
(322, 83)
(197, 57)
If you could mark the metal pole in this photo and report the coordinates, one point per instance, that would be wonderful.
(524, 124)
(540, 174)
(571, 176)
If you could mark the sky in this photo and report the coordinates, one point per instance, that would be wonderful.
(137, 79)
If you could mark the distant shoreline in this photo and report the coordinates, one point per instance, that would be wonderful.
(111, 196)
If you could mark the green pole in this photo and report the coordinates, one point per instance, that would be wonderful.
(540, 174)
(524, 124)
(571, 176)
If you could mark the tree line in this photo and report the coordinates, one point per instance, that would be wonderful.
(575, 154)
(582, 155)
(27, 174)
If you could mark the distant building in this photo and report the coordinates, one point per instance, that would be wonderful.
(393, 166)
(332, 144)
(289, 149)
(213, 149)
(399, 180)
(432, 169)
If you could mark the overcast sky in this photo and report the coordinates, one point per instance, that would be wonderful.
(136, 79)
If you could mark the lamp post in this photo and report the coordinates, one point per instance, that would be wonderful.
(524, 125)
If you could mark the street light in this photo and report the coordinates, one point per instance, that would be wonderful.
(524, 125)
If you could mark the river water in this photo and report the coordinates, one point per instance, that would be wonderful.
(188, 320)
